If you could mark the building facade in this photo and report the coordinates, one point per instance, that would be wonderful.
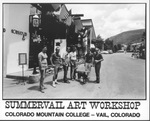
(15, 36)
(22, 33)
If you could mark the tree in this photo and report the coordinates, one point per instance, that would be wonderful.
(98, 42)
(115, 48)
(99, 37)
(109, 44)
(128, 47)
(119, 46)
(144, 35)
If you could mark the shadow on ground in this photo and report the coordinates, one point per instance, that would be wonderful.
(36, 88)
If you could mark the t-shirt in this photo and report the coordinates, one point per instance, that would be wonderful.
(98, 57)
(43, 59)
(73, 55)
(56, 59)
(89, 57)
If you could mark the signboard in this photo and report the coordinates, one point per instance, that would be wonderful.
(22, 58)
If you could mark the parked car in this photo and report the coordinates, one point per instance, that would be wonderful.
(110, 51)
(105, 52)
(120, 51)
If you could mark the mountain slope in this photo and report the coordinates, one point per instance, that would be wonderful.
(128, 37)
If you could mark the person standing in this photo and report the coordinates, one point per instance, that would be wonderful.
(56, 63)
(42, 57)
(97, 60)
(66, 63)
(88, 62)
(73, 59)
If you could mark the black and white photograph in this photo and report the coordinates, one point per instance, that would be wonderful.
(75, 51)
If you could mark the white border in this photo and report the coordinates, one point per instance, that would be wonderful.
(144, 109)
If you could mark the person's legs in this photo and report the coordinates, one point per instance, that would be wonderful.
(65, 72)
(98, 72)
(74, 70)
(44, 72)
(57, 70)
(64, 67)
(54, 76)
(72, 74)
(71, 70)
(41, 80)
(56, 73)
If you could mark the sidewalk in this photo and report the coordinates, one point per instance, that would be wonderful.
(28, 73)
(12, 90)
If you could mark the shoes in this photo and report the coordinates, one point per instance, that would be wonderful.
(41, 90)
(54, 85)
(97, 81)
(43, 87)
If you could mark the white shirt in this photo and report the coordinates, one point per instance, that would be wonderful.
(43, 59)
(73, 55)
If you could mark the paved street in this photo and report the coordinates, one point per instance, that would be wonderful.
(122, 77)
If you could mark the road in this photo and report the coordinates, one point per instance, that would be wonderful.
(122, 77)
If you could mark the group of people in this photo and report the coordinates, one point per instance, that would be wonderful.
(68, 59)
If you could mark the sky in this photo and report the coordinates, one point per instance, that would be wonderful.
(111, 19)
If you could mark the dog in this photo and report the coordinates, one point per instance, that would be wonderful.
(82, 75)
